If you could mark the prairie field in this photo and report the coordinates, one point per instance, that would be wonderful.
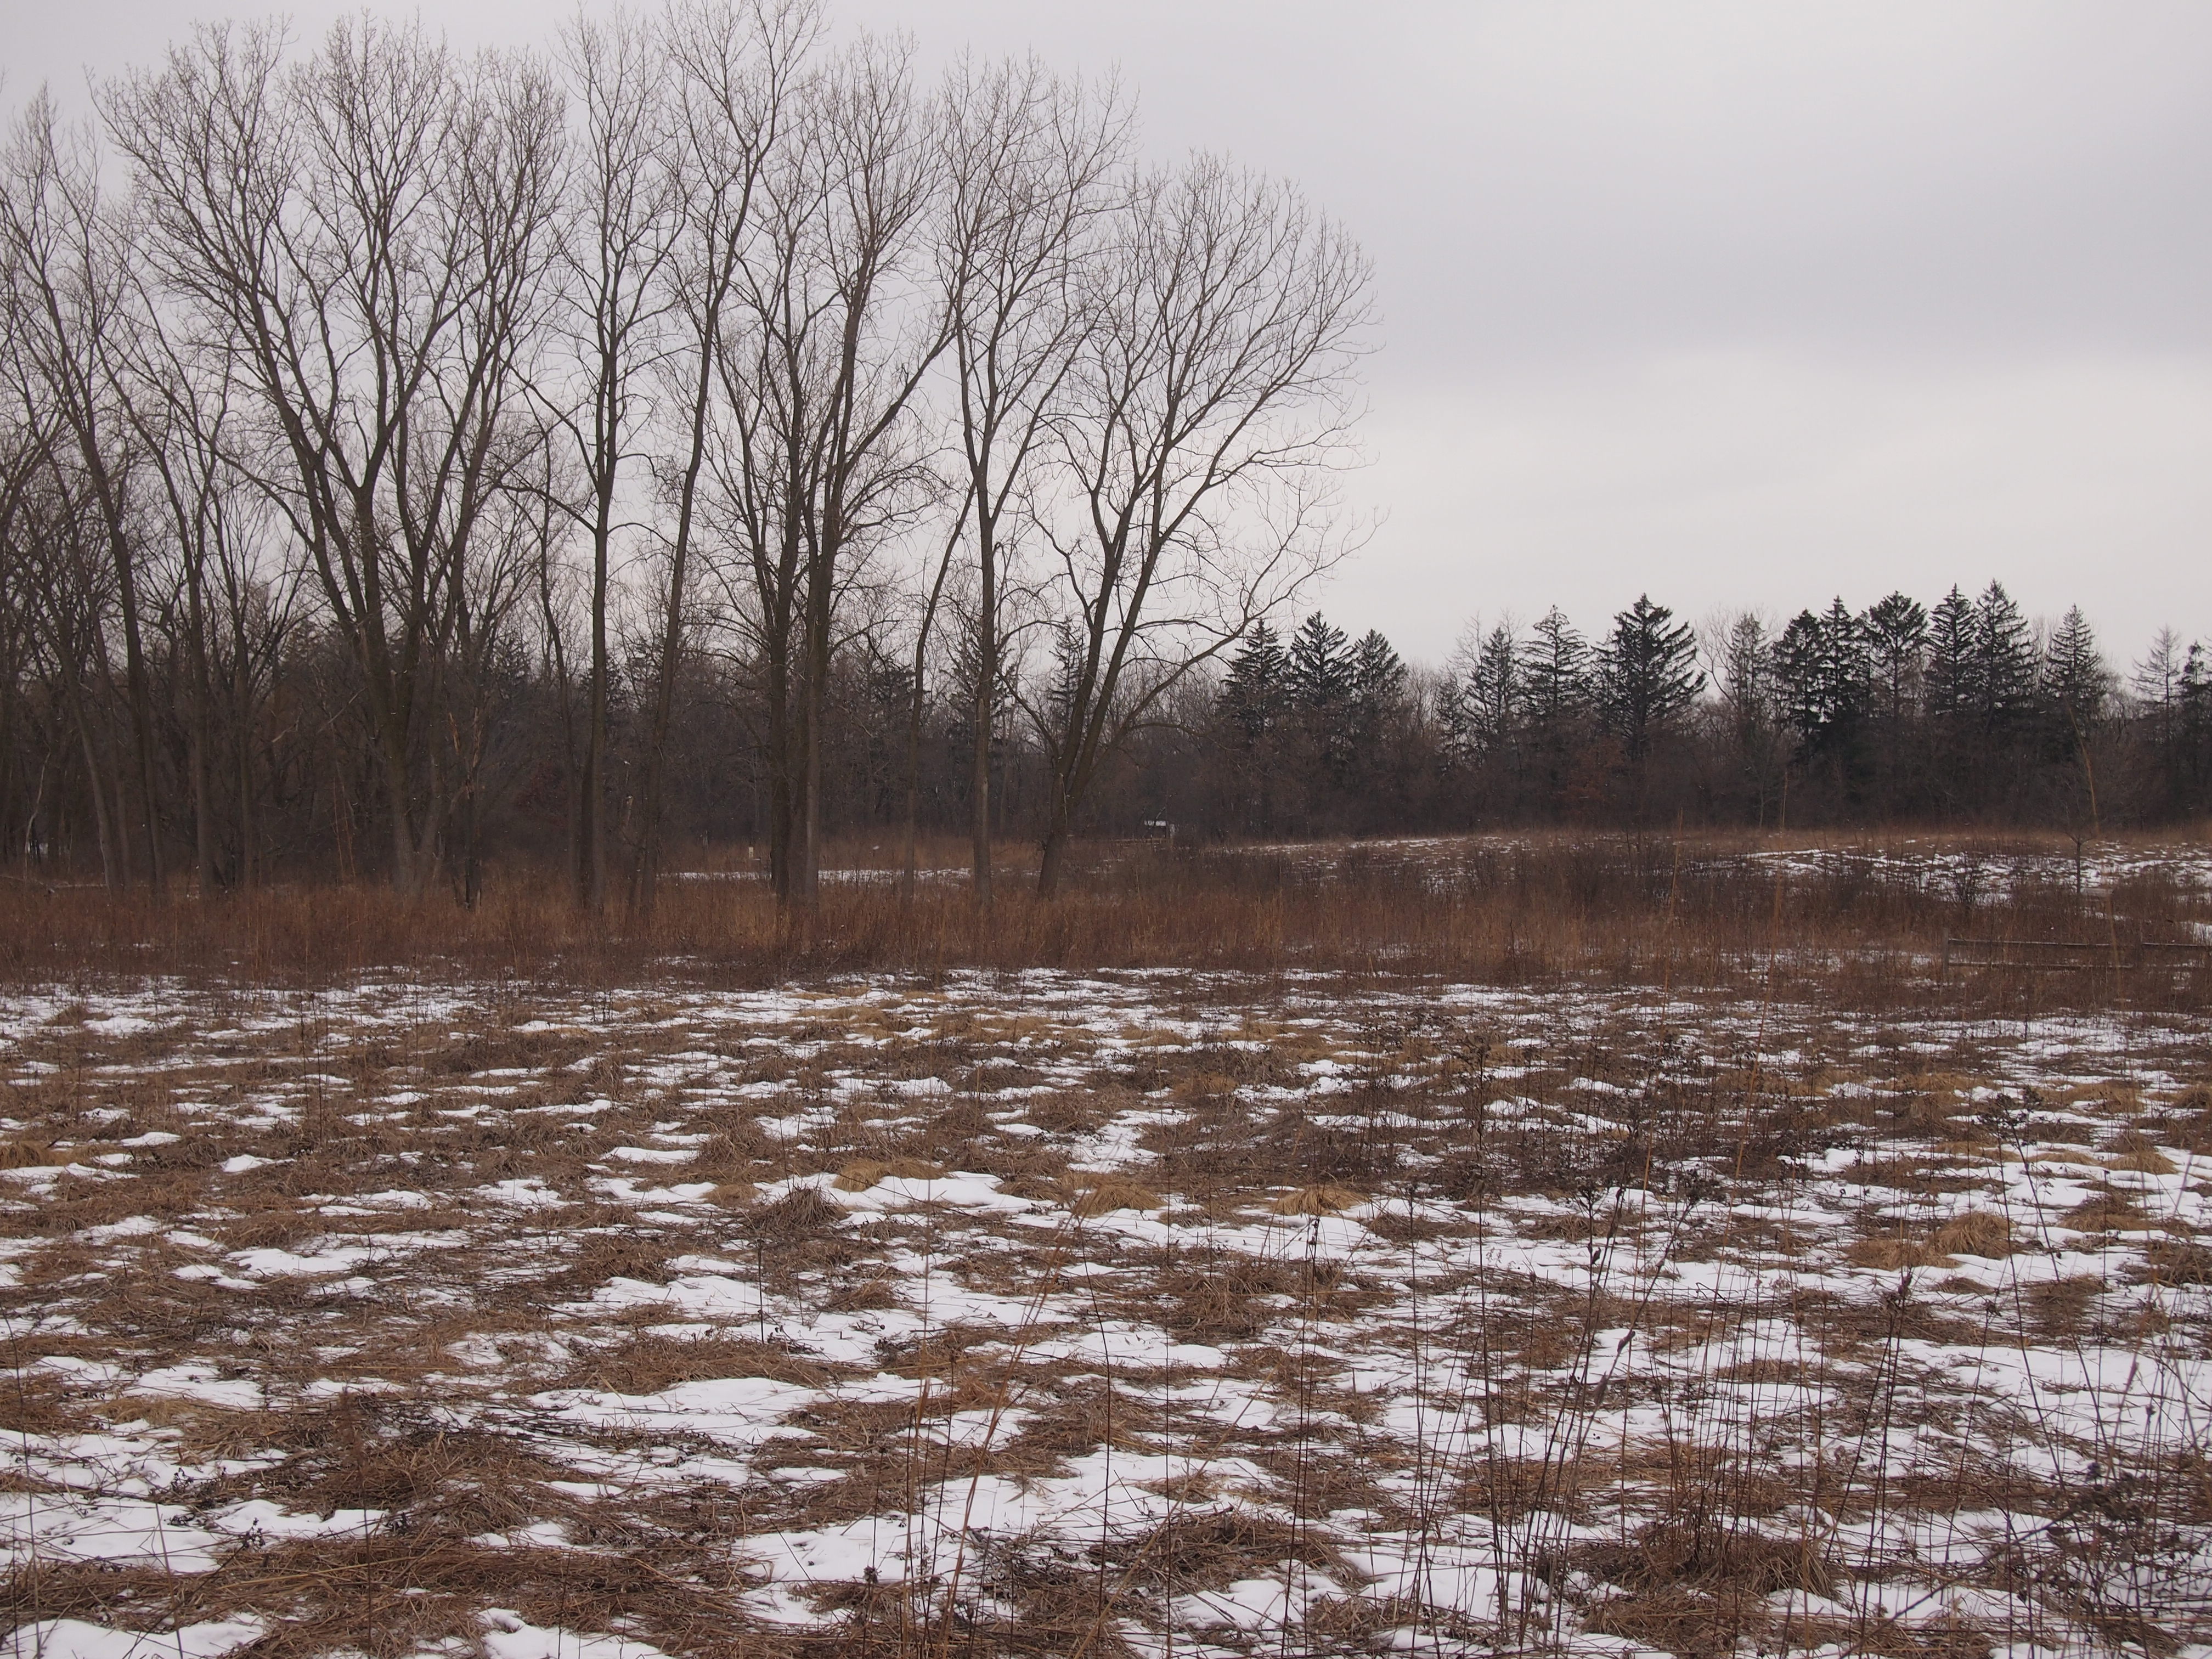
(1577, 1244)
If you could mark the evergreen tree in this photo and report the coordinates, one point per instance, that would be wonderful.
(2075, 682)
(1377, 680)
(1374, 719)
(1646, 674)
(2004, 677)
(1748, 671)
(1747, 690)
(2074, 686)
(2191, 764)
(1556, 695)
(1554, 671)
(1320, 667)
(1824, 675)
(1255, 702)
(1949, 683)
(1320, 687)
(1896, 633)
(1494, 694)
(1257, 692)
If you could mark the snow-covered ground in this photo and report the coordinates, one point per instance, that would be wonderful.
(1136, 1313)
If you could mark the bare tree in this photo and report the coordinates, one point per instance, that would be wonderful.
(179, 419)
(1207, 411)
(621, 232)
(1030, 160)
(69, 270)
(734, 67)
(818, 457)
(369, 234)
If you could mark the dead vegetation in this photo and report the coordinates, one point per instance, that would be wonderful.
(1026, 1314)
(1858, 917)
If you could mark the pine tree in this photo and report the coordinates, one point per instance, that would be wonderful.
(1320, 667)
(1256, 693)
(1494, 695)
(1747, 694)
(1748, 671)
(1645, 675)
(1950, 692)
(2004, 662)
(1377, 678)
(1320, 679)
(1824, 672)
(1896, 633)
(2075, 682)
(1554, 671)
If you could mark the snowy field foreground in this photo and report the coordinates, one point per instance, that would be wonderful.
(1138, 1314)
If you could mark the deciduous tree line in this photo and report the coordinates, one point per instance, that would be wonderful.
(1964, 712)
(700, 427)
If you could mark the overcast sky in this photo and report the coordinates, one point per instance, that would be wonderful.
(1742, 304)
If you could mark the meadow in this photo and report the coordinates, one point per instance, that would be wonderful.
(1566, 1244)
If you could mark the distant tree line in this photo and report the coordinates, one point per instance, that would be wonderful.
(1965, 713)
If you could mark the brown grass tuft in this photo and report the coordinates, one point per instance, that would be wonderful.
(1977, 1233)
(797, 1214)
(1112, 1194)
(865, 1172)
(1893, 1255)
(2137, 1152)
(24, 1154)
(1319, 1200)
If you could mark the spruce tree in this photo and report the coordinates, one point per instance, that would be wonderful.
(1494, 694)
(1646, 674)
(1256, 693)
(1896, 633)
(1823, 670)
(1320, 667)
(1950, 691)
(2004, 662)
(1321, 673)
(1554, 671)
(2075, 682)
(1378, 676)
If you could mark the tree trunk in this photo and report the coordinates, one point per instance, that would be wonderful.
(592, 875)
(242, 698)
(406, 874)
(986, 685)
(1053, 850)
(111, 874)
(134, 658)
(203, 697)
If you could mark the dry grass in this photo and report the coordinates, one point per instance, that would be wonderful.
(1319, 1200)
(1586, 1352)
(1104, 1197)
(863, 1173)
(1703, 909)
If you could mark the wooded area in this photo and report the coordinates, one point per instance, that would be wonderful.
(704, 434)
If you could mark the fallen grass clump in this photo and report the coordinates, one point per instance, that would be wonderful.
(1319, 1200)
(1979, 1232)
(864, 1173)
(1104, 1197)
